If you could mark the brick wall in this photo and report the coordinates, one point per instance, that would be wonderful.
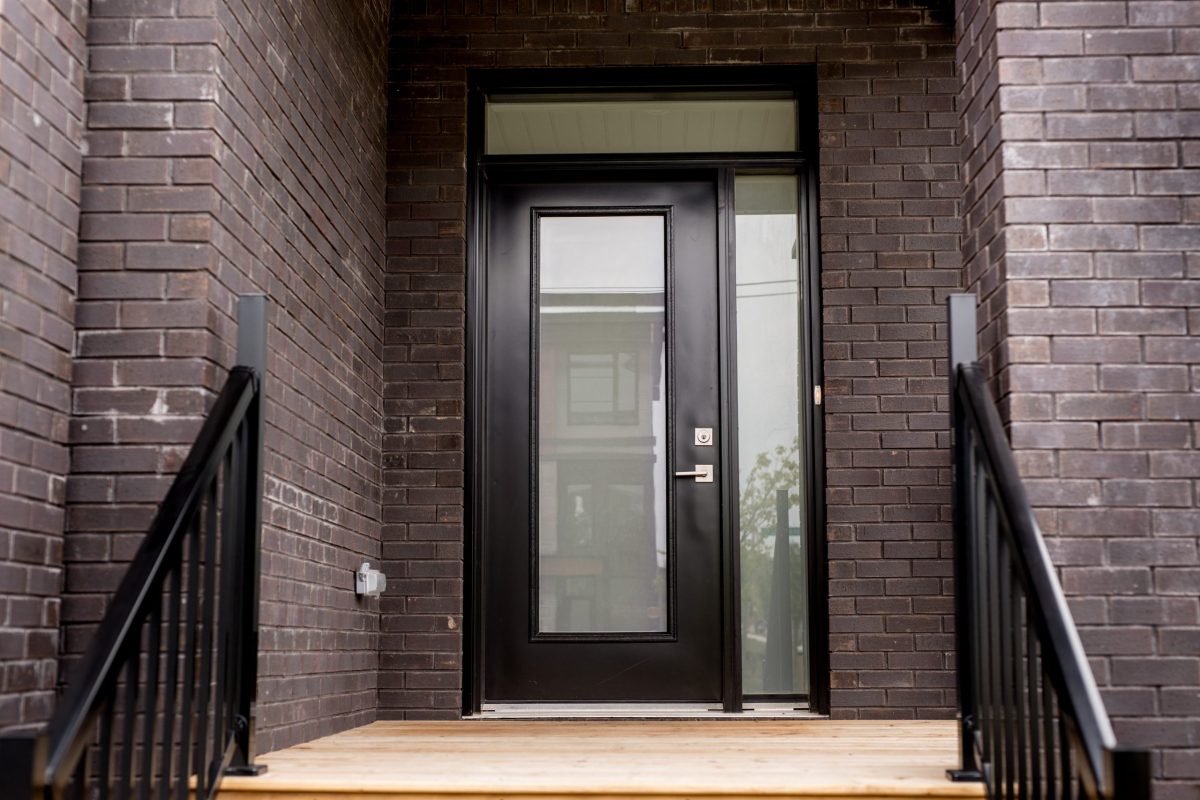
(42, 55)
(1095, 125)
(891, 252)
(301, 181)
(236, 147)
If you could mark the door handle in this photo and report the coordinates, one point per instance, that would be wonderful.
(703, 473)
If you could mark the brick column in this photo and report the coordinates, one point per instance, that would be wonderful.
(42, 57)
(238, 147)
(1084, 173)
(147, 359)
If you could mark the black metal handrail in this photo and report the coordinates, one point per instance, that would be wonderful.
(1033, 724)
(163, 702)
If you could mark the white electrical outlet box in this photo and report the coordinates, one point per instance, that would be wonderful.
(369, 582)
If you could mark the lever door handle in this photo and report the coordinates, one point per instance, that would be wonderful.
(703, 473)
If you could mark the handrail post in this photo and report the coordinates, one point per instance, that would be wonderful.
(963, 349)
(251, 352)
(23, 763)
(1132, 773)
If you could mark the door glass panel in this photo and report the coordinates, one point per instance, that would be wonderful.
(773, 568)
(604, 124)
(601, 406)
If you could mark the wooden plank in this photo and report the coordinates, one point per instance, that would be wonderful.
(614, 760)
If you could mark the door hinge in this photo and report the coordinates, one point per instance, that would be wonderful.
(817, 395)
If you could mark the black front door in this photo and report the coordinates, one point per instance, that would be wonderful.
(601, 565)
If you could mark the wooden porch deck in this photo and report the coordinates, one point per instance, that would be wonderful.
(810, 759)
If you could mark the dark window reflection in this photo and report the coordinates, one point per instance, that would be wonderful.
(602, 424)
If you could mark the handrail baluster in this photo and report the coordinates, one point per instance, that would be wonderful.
(172, 655)
(1018, 672)
(150, 710)
(1033, 697)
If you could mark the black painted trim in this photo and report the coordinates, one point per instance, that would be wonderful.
(814, 427)
(671, 634)
(475, 438)
(727, 441)
(650, 160)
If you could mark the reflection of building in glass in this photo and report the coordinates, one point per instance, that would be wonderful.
(601, 427)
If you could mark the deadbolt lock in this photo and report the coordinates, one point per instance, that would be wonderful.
(704, 437)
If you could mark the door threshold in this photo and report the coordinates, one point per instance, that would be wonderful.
(633, 711)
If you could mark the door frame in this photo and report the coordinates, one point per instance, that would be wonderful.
(799, 80)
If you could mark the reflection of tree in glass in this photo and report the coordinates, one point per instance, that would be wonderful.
(775, 473)
(772, 471)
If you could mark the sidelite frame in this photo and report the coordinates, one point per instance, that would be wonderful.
(485, 171)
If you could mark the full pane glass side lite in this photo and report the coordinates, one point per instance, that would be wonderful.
(601, 422)
(770, 477)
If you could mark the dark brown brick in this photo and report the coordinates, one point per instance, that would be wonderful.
(41, 120)
(1102, 213)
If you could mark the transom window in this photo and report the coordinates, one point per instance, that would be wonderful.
(608, 123)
